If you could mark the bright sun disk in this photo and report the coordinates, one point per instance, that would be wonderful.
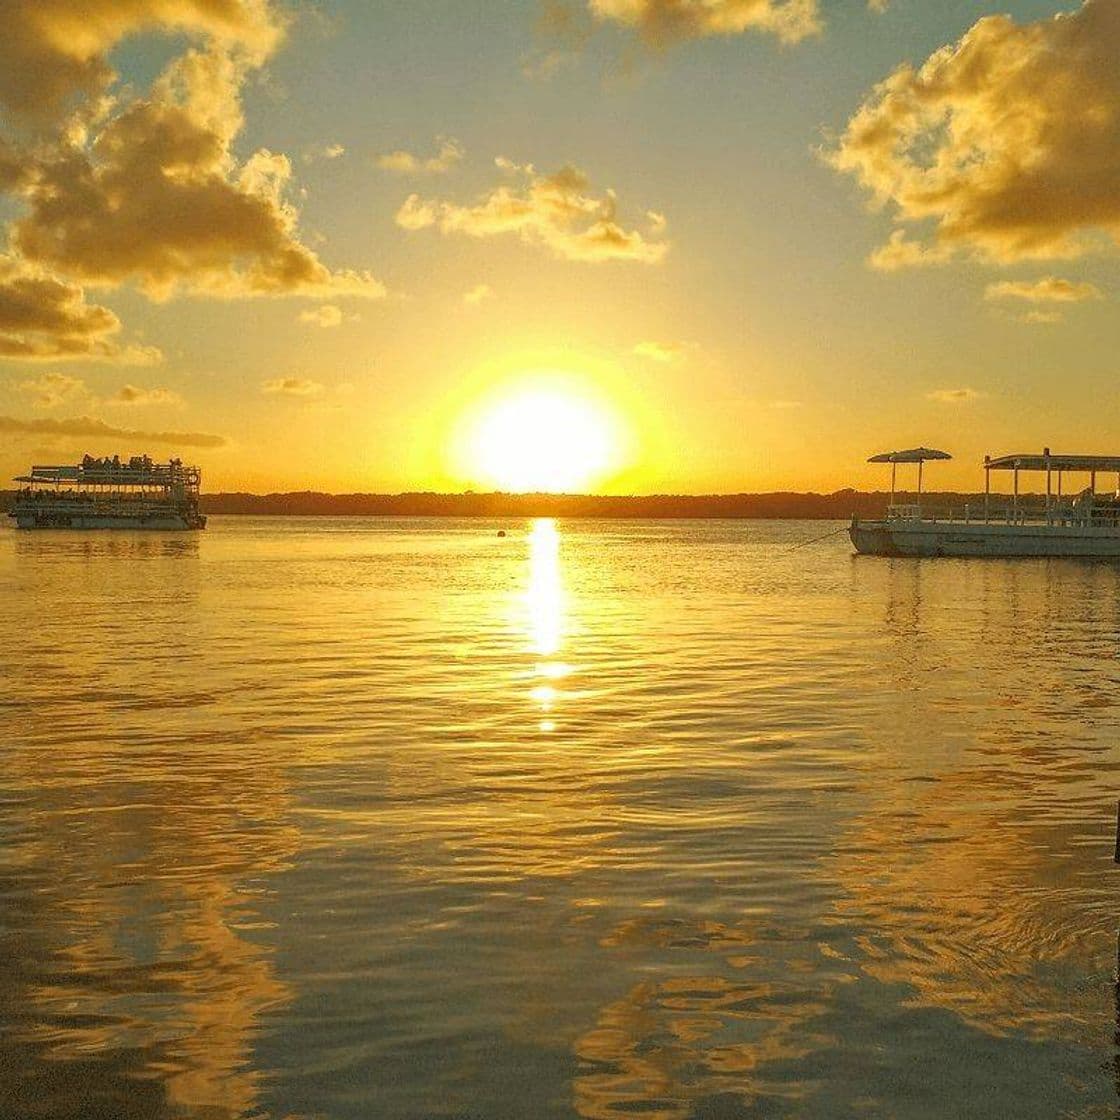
(542, 439)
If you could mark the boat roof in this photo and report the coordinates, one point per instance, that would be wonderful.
(99, 471)
(913, 455)
(1046, 462)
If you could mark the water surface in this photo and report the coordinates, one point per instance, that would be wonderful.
(400, 819)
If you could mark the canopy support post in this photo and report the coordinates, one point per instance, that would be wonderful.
(987, 487)
(919, 488)
(1015, 500)
(894, 475)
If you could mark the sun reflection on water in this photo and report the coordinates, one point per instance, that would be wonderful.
(545, 601)
(545, 594)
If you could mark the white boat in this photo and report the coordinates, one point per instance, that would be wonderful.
(1084, 524)
(110, 494)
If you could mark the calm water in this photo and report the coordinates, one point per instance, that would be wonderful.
(359, 818)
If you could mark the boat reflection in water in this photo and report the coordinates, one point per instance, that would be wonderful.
(143, 969)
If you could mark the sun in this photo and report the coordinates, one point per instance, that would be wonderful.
(542, 437)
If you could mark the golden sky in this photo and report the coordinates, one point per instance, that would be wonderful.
(624, 245)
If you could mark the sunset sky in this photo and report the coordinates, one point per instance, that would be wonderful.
(624, 245)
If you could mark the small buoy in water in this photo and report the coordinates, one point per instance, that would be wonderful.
(501, 532)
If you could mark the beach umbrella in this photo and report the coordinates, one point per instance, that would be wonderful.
(913, 455)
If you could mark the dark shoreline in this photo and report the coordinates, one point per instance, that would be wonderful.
(782, 505)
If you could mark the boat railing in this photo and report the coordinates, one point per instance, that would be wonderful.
(1070, 512)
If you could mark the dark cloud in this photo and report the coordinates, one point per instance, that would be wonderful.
(91, 427)
(42, 317)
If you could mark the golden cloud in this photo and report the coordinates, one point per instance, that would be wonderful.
(962, 395)
(52, 389)
(135, 395)
(448, 153)
(660, 22)
(42, 317)
(157, 197)
(91, 427)
(1050, 289)
(477, 295)
(324, 152)
(1043, 318)
(554, 211)
(664, 352)
(53, 53)
(1007, 141)
(292, 387)
(326, 316)
(899, 252)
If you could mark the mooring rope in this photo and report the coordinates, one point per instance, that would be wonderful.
(813, 540)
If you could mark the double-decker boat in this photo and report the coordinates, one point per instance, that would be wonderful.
(110, 494)
(1086, 523)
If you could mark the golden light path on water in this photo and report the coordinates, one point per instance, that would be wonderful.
(545, 604)
(346, 818)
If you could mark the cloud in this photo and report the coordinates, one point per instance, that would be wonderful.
(43, 317)
(135, 395)
(448, 153)
(662, 22)
(664, 352)
(1050, 289)
(157, 197)
(900, 253)
(323, 152)
(326, 316)
(554, 211)
(478, 294)
(54, 53)
(1008, 141)
(52, 389)
(90, 427)
(292, 387)
(1042, 318)
(954, 396)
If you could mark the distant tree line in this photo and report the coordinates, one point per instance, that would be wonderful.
(780, 505)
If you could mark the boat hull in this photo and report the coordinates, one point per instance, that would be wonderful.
(947, 538)
(37, 519)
